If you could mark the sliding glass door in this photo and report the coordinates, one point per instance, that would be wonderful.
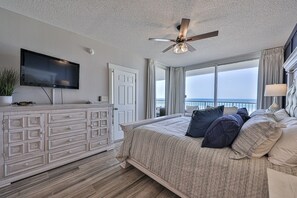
(229, 85)
(200, 87)
(160, 91)
(237, 85)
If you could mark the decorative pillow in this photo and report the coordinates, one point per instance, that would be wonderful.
(260, 112)
(257, 136)
(230, 110)
(201, 120)
(190, 109)
(289, 121)
(281, 114)
(284, 152)
(243, 112)
(222, 132)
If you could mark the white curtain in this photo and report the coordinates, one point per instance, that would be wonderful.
(270, 72)
(175, 96)
(151, 89)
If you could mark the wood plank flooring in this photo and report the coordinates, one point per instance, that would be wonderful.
(96, 176)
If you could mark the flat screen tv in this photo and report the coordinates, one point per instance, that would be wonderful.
(46, 71)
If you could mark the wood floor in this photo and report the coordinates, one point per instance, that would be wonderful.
(96, 176)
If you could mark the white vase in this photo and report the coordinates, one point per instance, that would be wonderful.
(5, 100)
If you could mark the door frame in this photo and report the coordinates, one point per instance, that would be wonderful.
(111, 68)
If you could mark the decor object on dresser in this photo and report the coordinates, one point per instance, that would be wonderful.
(8, 79)
(39, 138)
(275, 90)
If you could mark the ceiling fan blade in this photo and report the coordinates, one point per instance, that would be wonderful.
(161, 39)
(203, 36)
(184, 28)
(168, 48)
(190, 47)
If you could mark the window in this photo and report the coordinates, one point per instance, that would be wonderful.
(200, 87)
(160, 91)
(229, 85)
(237, 85)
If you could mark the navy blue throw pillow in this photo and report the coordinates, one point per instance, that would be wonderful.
(201, 120)
(223, 131)
(243, 112)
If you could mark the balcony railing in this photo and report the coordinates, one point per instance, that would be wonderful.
(250, 104)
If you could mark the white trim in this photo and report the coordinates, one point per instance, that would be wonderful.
(242, 58)
(291, 62)
(112, 67)
(156, 178)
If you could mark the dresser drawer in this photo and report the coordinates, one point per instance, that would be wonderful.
(20, 149)
(101, 133)
(60, 142)
(66, 129)
(23, 135)
(98, 144)
(24, 165)
(12, 122)
(67, 153)
(67, 116)
(99, 123)
(101, 114)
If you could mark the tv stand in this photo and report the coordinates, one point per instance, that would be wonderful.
(41, 137)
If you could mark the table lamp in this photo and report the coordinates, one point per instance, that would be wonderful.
(275, 90)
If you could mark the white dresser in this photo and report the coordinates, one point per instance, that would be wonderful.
(34, 139)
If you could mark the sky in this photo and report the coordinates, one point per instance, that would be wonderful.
(233, 84)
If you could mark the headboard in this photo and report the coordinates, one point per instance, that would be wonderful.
(291, 104)
(291, 69)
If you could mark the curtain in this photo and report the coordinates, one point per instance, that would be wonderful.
(270, 72)
(175, 96)
(151, 89)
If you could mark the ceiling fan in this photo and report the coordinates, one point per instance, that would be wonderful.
(181, 44)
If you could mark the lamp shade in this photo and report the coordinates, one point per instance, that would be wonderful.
(275, 90)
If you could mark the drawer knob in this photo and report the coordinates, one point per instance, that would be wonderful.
(70, 116)
(69, 128)
(70, 140)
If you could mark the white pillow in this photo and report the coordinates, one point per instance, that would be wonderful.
(230, 110)
(281, 114)
(284, 152)
(289, 121)
(256, 137)
(281, 184)
(190, 109)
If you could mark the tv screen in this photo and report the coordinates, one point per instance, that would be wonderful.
(46, 71)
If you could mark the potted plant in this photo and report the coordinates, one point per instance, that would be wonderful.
(8, 79)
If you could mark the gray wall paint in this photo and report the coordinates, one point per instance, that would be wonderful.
(18, 32)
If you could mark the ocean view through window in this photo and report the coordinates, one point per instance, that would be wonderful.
(229, 85)
(160, 91)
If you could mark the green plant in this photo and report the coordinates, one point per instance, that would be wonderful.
(8, 79)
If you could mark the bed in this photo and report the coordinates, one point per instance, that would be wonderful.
(159, 148)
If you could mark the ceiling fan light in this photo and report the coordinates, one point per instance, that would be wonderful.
(180, 48)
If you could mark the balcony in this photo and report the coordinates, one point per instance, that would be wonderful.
(250, 104)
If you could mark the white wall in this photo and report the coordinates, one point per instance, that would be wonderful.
(17, 31)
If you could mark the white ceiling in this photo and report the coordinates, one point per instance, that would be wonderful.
(244, 26)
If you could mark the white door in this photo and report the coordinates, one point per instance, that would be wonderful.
(124, 99)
